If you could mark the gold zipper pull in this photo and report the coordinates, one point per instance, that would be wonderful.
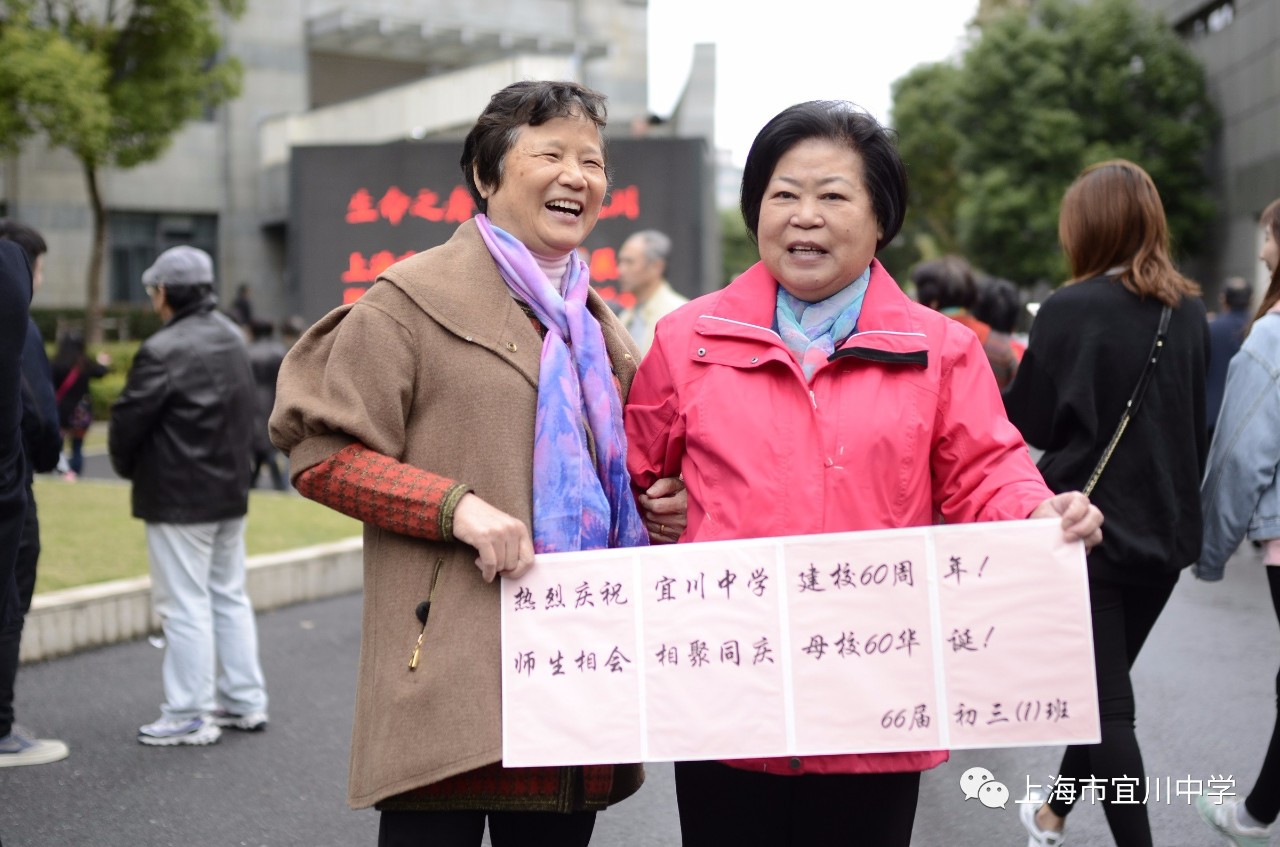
(417, 649)
(424, 608)
(422, 611)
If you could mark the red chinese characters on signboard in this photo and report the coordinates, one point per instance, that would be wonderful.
(603, 264)
(395, 205)
(362, 270)
(622, 203)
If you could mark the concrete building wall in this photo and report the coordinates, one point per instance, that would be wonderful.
(214, 166)
(1239, 43)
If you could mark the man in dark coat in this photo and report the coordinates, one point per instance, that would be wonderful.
(181, 431)
(265, 356)
(42, 443)
(15, 301)
(1226, 334)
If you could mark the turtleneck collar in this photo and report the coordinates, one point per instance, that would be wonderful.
(554, 268)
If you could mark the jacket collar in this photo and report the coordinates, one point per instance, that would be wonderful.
(746, 309)
(204, 304)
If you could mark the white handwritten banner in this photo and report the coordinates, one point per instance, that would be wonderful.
(945, 637)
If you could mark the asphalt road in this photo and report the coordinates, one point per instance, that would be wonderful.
(1206, 695)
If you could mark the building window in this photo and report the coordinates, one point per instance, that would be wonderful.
(1209, 19)
(135, 239)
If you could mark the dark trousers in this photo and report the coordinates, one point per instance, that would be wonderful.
(76, 461)
(1123, 616)
(272, 460)
(466, 829)
(720, 805)
(19, 605)
(1263, 801)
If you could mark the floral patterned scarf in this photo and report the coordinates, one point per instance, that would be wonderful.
(812, 330)
(577, 504)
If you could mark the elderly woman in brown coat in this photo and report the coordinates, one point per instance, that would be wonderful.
(468, 410)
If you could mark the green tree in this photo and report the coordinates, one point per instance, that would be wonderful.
(989, 10)
(737, 251)
(112, 82)
(1041, 95)
(927, 97)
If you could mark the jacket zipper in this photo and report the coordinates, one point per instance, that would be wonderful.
(431, 596)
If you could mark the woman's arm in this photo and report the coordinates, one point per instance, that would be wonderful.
(655, 434)
(391, 495)
(376, 489)
(1081, 520)
(344, 394)
(980, 467)
(136, 411)
(655, 447)
(1242, 459)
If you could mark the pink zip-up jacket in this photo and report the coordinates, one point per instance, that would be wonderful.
(903, 426)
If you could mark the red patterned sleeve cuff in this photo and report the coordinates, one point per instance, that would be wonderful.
(379, 490)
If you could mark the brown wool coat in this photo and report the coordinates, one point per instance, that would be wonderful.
(436, 366)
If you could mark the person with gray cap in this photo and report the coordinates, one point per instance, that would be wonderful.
(182, 432)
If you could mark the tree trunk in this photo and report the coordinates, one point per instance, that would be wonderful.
(93, 304)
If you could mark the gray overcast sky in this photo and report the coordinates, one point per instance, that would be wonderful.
(771, 54)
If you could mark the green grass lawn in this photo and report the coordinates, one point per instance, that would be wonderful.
(87, 534)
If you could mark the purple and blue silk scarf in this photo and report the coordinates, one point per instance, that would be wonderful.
(812, 330)
(576, 506)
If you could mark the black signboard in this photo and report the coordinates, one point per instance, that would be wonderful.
(356, 209)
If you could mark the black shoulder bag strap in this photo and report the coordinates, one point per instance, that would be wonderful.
(1131, 408)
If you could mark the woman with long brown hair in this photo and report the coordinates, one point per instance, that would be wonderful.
(1086, 360)
(1241, 496)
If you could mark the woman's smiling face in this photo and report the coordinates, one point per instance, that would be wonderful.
(553, 185)
(817, 231)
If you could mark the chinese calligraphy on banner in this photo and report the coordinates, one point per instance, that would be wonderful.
(944, 637)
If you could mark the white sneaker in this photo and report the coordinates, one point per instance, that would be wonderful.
(1223, 815)
(19, 748)
(248, 722)
(1037, 837)
(172, 733)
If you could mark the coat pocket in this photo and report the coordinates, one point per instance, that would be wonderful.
(423, 613)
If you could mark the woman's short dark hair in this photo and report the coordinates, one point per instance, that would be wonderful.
(529, 103)
(945, 283)
(70, 350)
(844, 123)
(32, 243)
(999, 305)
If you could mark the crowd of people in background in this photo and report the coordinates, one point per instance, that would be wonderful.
(553, 424)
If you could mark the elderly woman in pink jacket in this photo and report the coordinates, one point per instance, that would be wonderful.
(810, 396)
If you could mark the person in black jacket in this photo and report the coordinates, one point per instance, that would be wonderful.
(1226, 334)
(181, 431)
(15, 301)
(1089, 345)
(42, 444)
(265, 356)
(72, 371)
